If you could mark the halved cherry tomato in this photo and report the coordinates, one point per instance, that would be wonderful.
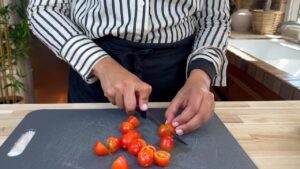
(162, 158)
(136, 145)
(100, 149)
(166, 130)
(120, 163)
(166, 143)
(114, 144)
(146, 156)
(134, 121)
(128, 137)
(125, 127)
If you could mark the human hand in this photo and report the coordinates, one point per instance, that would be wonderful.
(196, 101)
(121, 87)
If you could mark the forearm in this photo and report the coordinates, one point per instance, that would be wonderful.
(49, 21)
(211, 41)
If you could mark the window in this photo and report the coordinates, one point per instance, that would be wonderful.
(293, 11)
(298, 17)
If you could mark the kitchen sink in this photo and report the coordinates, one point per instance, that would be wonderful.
(279, 53)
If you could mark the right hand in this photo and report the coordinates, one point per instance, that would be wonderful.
(121, 87)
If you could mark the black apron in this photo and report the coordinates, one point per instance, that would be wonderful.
(162, 66)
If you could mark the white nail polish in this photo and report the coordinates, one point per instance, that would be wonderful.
(166, 122)
(144, 107)
(179, 132)
(175, 124)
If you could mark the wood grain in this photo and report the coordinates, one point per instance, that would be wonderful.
(268, 131)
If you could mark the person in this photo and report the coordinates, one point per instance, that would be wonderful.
(130, 52)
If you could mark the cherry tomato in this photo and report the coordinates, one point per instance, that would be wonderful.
(114, 144)
(162, 158)
(166, 143)
(136, 145)
(146, 156)
(120, 163)
(128, 137)
(134, 121)
(125, 127)
(166, 130)
(100, 149)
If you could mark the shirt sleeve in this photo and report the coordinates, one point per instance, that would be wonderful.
(49, 20)
(211, 41)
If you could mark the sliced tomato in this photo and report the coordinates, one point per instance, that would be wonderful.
(120, 163)
(128, 137)
(136, 146)
(114, 144)
(125, 127)
(162, 158)
(100, 149)
(166, 130)
(134, 121)
(146, 156)
(166, 143)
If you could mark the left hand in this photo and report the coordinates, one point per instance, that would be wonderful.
(196, 101)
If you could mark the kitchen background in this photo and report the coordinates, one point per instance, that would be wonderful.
(263, 53)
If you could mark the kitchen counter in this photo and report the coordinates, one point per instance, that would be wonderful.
(269, 132)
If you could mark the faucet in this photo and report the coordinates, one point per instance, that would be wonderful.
(290, 30)
(290, 33)
(289, 23)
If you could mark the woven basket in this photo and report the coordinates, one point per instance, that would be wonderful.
(266, 22)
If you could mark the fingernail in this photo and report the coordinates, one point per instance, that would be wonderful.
(175, 124)
(144, 107)
(166, 122)
(179, 132)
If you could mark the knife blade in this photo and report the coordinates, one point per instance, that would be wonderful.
(158, 123)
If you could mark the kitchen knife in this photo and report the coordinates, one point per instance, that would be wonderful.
(144, 115)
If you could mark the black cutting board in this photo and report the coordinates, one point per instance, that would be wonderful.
(64, 140)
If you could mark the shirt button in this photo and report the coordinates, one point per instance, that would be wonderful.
(141, 2)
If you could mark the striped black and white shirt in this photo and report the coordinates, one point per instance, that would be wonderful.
(67, 27)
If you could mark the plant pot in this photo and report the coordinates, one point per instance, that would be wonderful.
(241, 20)
(10, 100)
(26, 95)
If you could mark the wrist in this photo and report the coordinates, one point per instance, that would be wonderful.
(101, 66)
(200, 76)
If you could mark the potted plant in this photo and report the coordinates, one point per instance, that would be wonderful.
(14, 52)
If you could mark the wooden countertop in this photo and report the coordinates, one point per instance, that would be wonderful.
(268, 131)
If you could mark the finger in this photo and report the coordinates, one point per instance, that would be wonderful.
(199, 119)
(119, 100)
(208, 116)
(129, 99)
(193, 124)
(172, 109)
(143, 92)
(112, 100)
(110, 95)
(211, 114)
(190, 110)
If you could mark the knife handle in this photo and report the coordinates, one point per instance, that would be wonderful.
(142, 113)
